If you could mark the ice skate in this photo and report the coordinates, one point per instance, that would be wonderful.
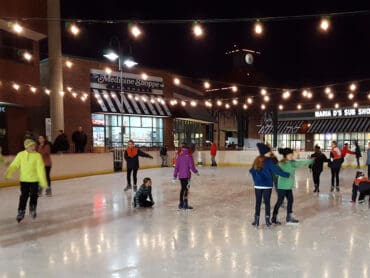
(135, 188)
(33, 212)
(20, 215)
(128, 187)
(48, 192)
(256, 221)
(186, 206)
(291, 220)
(337, 189)
(275, 221)
(267, 221)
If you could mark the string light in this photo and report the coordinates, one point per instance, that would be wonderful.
(304, 93)
(144, 99)
(69, 64)
(135, 31)
(129, 96)
(368, 95)
(176, 81)
(69, 89)
(355, 105)
(258, 28)
(73, 28)
(144, 76)
(152, 100)
(353, 87)
(17, 28)
(27, 56)
(33, 89)
(108, 70)
(281, 107)
(327, 90)
(324, 24)
(183, 103)
(197, 30)
(309, 95)
(61, 93)
(331, 96)
(206, 85)
(263, 92)
(16, 86)
(219, 102)
(299, 107)
(286, 95)
(351, 96)
(74, 95)
(263, 107)
(234, 88)
(193, 103)
(336, 105)
(227, 106)
(235, 101)
(47, 91)
(245, 107)
(266, 98)
(250, 100)
(318, 106)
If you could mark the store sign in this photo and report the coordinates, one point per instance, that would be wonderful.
(347, 112)
(2, 109)
(130, 82)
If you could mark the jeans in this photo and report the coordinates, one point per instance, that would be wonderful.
(28, 189)
(358, 161)
(134, 173)
(184, 190)
(354, 192)
(335, 176)
(266, 195)
(368, 171)
(316, 177)
(164, 160)
(213, 159)
(281, 195)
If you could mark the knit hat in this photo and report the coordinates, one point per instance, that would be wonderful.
(29, 143)
(284, 152)
(263, 148)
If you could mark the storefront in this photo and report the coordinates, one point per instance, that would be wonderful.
(137, 113)
(303, 130)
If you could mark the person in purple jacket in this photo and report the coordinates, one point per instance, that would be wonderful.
(184, 164)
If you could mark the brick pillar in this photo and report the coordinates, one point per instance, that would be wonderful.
(168, 137)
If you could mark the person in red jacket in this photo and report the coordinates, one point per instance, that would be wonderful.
(213, 154)
(346, 150)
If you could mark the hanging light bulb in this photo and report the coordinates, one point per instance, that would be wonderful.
(206, 85)
(263, 107)
(234, 88)
(16, 86)
(263, 92)
(33, 89)
(176, 81)
(235, 101)
(318, 106)
(351, 96)
(355, 105)
(135, 31)
(324, 24)
(17, 28)
(336, 105)
(69, 89)
(108, 70)
(353, 87)
(144, 76)
(73, 28)
(304, 93)
(281, 107)
(152, 100)
(27, 56)
(47, 91)
(69, 64)
(75, 95)
(368, 95)
(219, 102)
(258, 28)
(62, 93)
(245, 107)
(250, 100)
(331, 96)
(286, 95)
(327, 90)
(197, 30)
(129, 96)
(183, 103)
(266, 98)
(143, 99)
(309, 95)
(299, 107)
(227, 106)
(193, 103)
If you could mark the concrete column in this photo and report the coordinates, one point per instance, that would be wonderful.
(55, 67)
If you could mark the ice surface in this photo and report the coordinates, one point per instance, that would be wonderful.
(89, 229)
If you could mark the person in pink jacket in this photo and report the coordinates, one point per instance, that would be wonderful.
(184, 164)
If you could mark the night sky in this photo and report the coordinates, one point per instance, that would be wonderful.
(294, 53)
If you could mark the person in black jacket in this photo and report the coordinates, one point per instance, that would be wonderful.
(163, 154)
(132, 158)
(79, 138)
(142, 195)
(317, 166)
(61, 143)
(357, 153)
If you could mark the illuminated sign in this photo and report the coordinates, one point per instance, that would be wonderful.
(347, 112)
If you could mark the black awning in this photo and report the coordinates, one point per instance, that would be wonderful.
(340, 125)
(284, 127)
(192, 114)
(104, 101)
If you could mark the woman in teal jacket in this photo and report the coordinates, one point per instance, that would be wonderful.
(285, 185)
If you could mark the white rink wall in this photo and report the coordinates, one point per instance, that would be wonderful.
(76, 165)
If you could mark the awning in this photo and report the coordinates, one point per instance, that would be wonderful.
(104, 101)
(196, 114)
(340, 125)
(284, 127)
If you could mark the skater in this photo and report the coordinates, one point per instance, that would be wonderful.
(79, 138)
(262, 172)
(285, 185)
(184, 164)
(368, 160)
(142, 195)
(346, 150)
(32, 175)
(132, 159)
(44, 148)
(335, 164)
(61, 144)
(358, 154)
(213, 153)
(317, 167)
(362, 184)
(164, 156)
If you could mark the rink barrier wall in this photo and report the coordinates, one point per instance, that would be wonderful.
(67, 166)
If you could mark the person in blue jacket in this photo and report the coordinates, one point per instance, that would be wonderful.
(262, 172)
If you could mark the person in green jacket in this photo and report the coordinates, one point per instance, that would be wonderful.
(31, 176)
(285, 185)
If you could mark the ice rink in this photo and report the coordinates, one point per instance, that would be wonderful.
(89, 229)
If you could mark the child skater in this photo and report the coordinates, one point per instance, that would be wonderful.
(317, 167)
(32, 174)
(184, 164)
(285, 185)
(362, 184)
(142, 195)
(263, 172)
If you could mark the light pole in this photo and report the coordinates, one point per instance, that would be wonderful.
(122, 61)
